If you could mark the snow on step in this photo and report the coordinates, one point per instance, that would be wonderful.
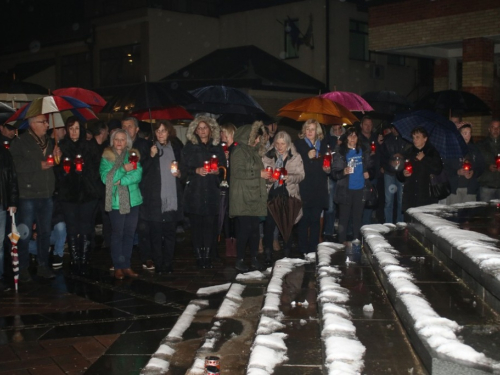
(202, 292)
(438, 332)
(344, 352)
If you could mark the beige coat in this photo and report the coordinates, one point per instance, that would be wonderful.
(295, 168)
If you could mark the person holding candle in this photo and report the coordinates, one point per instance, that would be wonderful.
(162, 207)
(36, 186)
(202, 193)
(247, 194)
(350, 168)
(489, 181)
(317, 158)
(425, 160)
(122, 199)
(463, 172)
(228, 144)
(79, 188)
(283, 154)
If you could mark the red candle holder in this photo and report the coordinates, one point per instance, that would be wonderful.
(277, 173)
(66, 165)
(224, 146)
(282, 175)
(408, 166)
(214, 163)
(373, 147)
(497, 161)
(6, 145)
(134, 159)
(50, 159)
(466, 165)
(78, 163)
(270, 170)
(327, 160)
(206, 165)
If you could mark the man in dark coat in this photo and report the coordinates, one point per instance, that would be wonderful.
(489, 181)
(9, 199)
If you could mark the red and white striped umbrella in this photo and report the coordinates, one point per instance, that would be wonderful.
(14, 237)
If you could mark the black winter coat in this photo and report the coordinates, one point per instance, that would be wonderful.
(314, 187)
(451, 166)
(81, 187)
(393, 145)
(9, 191)
(339, 164)
(151, 190)
(416, 187)
(201, 194)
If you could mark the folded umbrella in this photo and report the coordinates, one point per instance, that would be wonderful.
(224, 199)
(285, 210)
(14, 237)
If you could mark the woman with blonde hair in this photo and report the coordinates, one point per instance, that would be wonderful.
(283, 154)
(314, 187)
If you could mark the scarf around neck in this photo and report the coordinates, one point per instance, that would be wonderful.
(316, 146)
(123, 192)
(42, 142)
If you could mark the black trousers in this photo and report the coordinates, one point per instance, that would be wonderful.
(247, 233)
(157, 240)
(351, 208)
(203, 230)
(309, 228)
(79, 217)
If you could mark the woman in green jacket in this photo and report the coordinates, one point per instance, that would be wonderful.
(123, 197)
(247, 193)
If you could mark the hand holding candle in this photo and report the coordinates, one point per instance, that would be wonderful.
(66, 165)
(78, 164)
(6, 145)
(134, 159)
(214, 163)
(408, 168)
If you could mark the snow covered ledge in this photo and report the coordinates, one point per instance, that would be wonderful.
(472, 256)
(433, 336)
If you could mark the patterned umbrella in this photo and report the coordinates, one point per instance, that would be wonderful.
(350, 100)
(58, 108)
(14, 237)
(91, 98)
(443, 134)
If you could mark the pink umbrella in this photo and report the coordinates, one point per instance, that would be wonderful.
(350, 100)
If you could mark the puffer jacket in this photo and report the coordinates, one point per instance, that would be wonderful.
(247, 190)
(9, 192)
(489, 148)
(202, 193)
(130, 179)
(295, 169)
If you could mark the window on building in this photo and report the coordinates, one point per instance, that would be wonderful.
(396, 60)
(358, 40)
(120, 65)
(76, 70)
(292, 38)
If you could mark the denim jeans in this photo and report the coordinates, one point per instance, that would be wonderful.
(57, 238)
(37, 210)
(123, 228)
(329, 216)
(3, 224)
(393, 186)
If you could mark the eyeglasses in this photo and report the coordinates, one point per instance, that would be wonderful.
(42, 122)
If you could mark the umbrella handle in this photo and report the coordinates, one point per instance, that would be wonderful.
(225, 171)
(13, 216)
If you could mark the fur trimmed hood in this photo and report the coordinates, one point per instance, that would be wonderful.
(109, 155)
(214, 130)
(247, 134)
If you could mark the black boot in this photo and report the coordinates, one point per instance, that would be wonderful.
(74, 253)
(207, 260)
(241, 266)
(255, 264)
(85, 254)
(269, 257)
(199, 258)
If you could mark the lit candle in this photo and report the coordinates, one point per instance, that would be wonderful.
(6, 145)
(277, 173)
(214, 163)
(408, 166)
(282, 175)
(497, 161)
(134, 159)
(224, 146)
(269, 170)
(66, 165)
(206, 165)
(373, 147)
(78, 163)
(327, 160)
(466, 165)
(50, 159)
(174, 166)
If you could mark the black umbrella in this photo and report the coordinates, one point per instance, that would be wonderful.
(148, 95)
(284, 211)
(240, 120)
(5, 112)
(448, 101)
(387, 102)
(223, 100)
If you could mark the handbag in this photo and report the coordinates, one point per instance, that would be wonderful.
(439, 186)
(370, 195)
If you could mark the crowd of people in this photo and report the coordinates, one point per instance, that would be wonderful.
(143, 189)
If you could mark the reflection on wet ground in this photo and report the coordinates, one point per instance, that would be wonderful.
(483, 219)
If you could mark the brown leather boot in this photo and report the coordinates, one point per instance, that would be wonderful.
(128, 272)
(119, 275)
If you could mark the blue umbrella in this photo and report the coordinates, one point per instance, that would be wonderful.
(443, 134)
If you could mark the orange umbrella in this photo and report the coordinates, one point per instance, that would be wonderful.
(321, 109)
